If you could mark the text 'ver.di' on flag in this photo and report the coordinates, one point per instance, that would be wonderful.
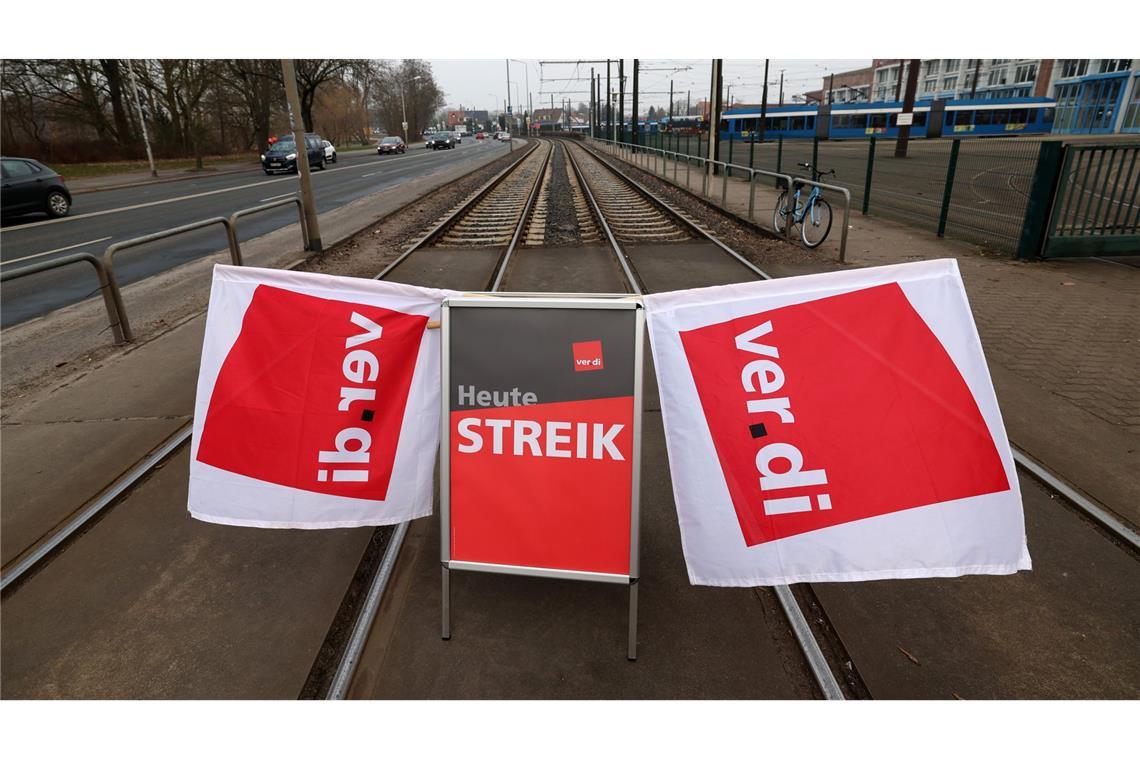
(318, 401)
(835, 427)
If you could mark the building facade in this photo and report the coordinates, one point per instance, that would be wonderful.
(963, 78)
(1096, 96)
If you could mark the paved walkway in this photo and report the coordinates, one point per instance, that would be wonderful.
(1062, 339)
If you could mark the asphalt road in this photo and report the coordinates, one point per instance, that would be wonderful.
(102, 218)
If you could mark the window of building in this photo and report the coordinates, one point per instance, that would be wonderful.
(1109, 65)
(1131, 121)
(998, 61)
(950, 83)
(930, 85)
(1074, 67)
(1026, 73)
(881, 76)
(997, 76)
(950, 64)
(932, 67)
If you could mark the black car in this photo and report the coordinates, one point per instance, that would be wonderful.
(30, 187)
(391, 145)
(282, 155)
(441, 140)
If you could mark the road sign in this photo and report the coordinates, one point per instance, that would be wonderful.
(540, 450)
(904, 119)
(404, 124)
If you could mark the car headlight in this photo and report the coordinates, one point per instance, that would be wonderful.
(290, 157)
(262, 156)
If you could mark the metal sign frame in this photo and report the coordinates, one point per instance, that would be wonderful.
(541, 301)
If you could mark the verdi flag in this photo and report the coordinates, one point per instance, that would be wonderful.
(835, 427)
(318, 401)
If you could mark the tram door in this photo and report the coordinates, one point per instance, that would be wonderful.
(936, 118)
(823, 122)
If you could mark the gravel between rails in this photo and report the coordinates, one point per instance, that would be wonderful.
(561, 217)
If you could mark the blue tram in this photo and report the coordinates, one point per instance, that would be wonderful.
(950, 118)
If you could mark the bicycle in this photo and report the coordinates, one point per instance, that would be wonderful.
(815, 210)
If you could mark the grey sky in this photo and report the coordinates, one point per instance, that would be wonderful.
(483, 83)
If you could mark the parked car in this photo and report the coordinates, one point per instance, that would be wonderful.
(29, 187)
(441, 140)
(330, 151)
(502, 135)
(391, 145)
(480, 136)
(282, 155)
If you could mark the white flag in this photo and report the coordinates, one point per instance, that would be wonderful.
(318, 401)
(835, 427)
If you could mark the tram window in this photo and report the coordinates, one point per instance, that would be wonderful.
(1047, 115)
(1001, 117)
(963, 117)
(878, 120)
(984, 117)
(849, 121)
(920, 119)
(797, 123)
(811, 122)
(1019, 116)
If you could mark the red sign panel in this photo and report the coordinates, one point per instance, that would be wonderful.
(846, 401)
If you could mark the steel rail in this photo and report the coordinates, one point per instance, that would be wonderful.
(523, 219)
(346, 668)
(817, 663)
(444, 224)
(104, 499)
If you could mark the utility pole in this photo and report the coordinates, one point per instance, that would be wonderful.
(403, 112)
(898, 82)
(764, 103)
(688, 108)
(142, 121)
(831, 88)
(974, 82)
(298, 128)
(609, 103)
(636, 129)
(715, 104)
(670, 106)
(621, 98)
(510, 140)
(908, 105)
(593, 103)
(781, 87)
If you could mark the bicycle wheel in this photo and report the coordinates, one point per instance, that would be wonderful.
(816, 224)
(780, 213)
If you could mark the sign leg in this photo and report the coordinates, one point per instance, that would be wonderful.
(632, 654)
(446, 630)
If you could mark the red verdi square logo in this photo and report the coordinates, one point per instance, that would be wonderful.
(588, 356)
(835, 410)
(312, 394)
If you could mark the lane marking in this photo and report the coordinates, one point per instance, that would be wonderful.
(56, 250)
(200, 195)
(275, 197)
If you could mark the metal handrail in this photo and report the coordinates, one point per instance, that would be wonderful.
(627, 149)
(109, 260)
(231, 230)
(110, 289)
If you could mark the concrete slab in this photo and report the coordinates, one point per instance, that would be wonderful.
(1070, 629)
(678, 266)
(53, 469)
(530, 638)
(242, 614)
(591, 269)
(156, 379)
(466, 269)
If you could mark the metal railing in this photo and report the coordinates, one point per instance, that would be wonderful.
(125, 335)
(116, 316)
(231, 230)
(655, 161)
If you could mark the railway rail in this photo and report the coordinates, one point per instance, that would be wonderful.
(471, 248)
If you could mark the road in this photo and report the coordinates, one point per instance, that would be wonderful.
(102, 218)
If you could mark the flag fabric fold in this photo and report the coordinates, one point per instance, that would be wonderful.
(317, 403)
(834, 427)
